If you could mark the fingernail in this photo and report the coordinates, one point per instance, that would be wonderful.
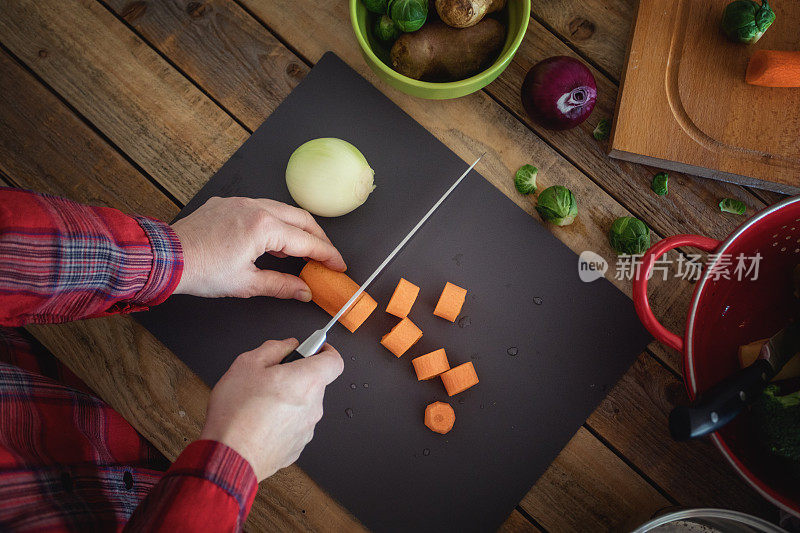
(304, 295)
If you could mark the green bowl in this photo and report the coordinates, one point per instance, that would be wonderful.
(516, 16)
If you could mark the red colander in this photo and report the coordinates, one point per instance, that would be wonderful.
(726, 313)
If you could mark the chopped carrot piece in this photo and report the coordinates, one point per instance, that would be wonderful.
(450, 302)
(402, 337)
(431, 364)
(459, 379)
(330, 290)
(440, 417)
(402, 299)
(774, 68)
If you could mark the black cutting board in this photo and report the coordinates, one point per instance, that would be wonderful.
(546, 346)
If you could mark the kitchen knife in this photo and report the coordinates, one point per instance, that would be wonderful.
(313, 344)
(725, 400)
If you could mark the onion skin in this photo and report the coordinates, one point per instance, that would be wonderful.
(559, 92)
(329, 177)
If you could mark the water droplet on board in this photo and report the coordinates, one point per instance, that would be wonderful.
(352, 357)
(366, 385)
(537, 300)
(461, 401)
(512, 351)
(464, 322)
(426, 452)
(352, 385)
(349, 412)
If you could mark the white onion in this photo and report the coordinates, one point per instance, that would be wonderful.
(329, 177)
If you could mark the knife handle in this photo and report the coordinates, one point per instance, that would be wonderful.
(294, 356)
(721, 403)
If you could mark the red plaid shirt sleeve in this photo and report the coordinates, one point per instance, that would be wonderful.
(62, 261)
(182, 502)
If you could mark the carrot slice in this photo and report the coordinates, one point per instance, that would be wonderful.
(431, 364)
(459, 379)
(402, 299)
(440, 417)
(774, 68)
(450, 302)
(330, 290)
(402, 337)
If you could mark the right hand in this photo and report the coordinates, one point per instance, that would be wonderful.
(267, 411)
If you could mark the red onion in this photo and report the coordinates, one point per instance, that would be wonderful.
(559, 92)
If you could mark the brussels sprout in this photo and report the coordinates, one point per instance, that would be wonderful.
(386, 30)
(602, 129)
(745, 21)
(409, 15)
(525, 179)
(729, 205)
(557, 204)
(629, 236)
(376, 6)
(660, 183)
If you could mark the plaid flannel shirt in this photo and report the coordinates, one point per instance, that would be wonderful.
(68, 462)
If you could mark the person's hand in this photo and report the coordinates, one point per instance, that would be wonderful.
(267, 411)
(222, 239)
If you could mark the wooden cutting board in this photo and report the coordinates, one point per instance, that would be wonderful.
(684, 104)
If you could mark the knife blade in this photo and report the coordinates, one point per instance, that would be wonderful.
(727, 399)
(313, 344)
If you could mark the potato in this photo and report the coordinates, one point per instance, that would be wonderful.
(466, 13)
(438, 52)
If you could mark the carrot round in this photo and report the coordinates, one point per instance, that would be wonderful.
(331, 289)
(450, 302)
(459, 379)
(774, 68)
(402, 299)
(431, 364)
(401, 337)
(440, 417)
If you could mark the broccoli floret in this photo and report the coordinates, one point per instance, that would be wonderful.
(776, 420)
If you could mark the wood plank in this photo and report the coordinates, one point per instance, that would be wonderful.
(65, 157)
(598, 29)
(633, 420)
(588, 488)
(156, 116)
(517, 523)
(221, 47)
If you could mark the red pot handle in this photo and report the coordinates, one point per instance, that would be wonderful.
(643, 273)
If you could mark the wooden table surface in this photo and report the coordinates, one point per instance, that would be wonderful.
(135, 105)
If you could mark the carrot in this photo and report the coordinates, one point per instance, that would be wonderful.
(431, 364)
(459, 379)
(440, 417)
(748, 353)
(774, 68)
(330, 290)
(450, 302)
(402, 337)
(402, 299)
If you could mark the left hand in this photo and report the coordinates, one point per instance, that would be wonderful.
(222, 239)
